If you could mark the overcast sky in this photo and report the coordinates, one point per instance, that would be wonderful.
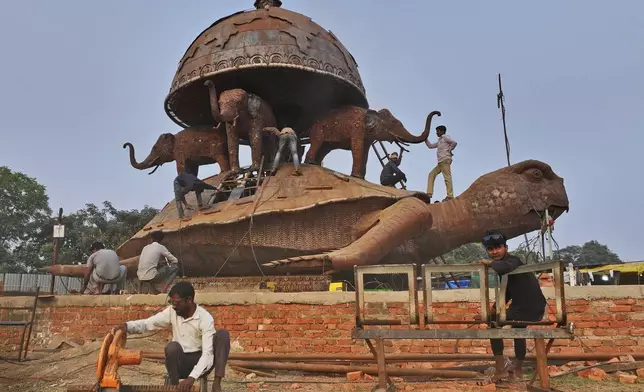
(79, 78)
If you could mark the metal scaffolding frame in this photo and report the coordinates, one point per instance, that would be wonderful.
(494, 320)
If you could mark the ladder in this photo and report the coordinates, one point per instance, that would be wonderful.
(384, 157)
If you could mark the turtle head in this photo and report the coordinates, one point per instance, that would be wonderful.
(514, 199)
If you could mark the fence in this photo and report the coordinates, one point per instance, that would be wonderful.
(29, 282)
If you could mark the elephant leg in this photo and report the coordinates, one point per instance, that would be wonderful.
(233, 146)
(312, 153)
(357, 150)
(365, 158)
(323, 152)
(222, 160)
(256, 147)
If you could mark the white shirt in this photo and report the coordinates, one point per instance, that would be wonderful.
(444, 146)
(195, 333)
(149, 260)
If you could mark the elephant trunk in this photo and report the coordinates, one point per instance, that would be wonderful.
(146, 164)
(214, 102)
(409, 138)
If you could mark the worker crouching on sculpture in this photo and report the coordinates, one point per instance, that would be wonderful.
(152, 255)
(196, 348)
(185, 183)
(104, 271)
(528, 301)
(391, 174)
(287, 137)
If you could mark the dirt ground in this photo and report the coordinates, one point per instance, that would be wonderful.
(53, 372)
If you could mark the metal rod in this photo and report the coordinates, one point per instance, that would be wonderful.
(401, 357)
(249, 371)
(373, 370)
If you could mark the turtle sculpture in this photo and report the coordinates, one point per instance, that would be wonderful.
(326, 221)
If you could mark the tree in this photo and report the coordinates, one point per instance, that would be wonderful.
(108, 225)
(590, 253)
(528, 253)
(24, 207)
(465, 254)
(569, 254)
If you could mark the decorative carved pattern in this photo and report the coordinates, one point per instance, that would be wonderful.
(273, 58)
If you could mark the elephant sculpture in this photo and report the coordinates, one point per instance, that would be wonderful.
(245, 115)
(189, 148)
(355, 128)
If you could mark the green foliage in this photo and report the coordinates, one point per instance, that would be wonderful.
(24, 207)
(26, 229)
(108, 225)
(590, 253)
(465, 254)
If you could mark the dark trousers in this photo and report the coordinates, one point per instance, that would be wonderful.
(519, 344)
(390, 180)
(180, 364)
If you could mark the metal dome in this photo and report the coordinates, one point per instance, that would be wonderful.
(300, 68)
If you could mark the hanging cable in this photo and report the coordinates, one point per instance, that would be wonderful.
(500, 103)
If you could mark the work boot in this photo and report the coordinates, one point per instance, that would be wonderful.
(273, 172)
(517, 369)
(448, 198)
(296, 172)
(499, 369)
(216, 385)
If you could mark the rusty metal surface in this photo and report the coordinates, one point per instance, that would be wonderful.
(325, 368)
(492, 333)
(300, 68)
(324, 219)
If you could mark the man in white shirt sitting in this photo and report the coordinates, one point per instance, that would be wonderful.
(444, 147)
(149, 271)
(195, 347)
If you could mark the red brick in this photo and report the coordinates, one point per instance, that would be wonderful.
(620, 308)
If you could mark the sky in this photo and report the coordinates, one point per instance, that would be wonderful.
(79, 78)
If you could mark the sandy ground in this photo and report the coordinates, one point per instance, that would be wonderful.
(53, 372)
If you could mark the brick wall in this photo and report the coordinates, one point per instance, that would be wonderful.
(608, 319)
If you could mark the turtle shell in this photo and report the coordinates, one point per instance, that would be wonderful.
(298, 67)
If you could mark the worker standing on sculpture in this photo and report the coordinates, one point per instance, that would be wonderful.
(287, 137)
(195, 347)
(528, 302)
(149, 271)
(187, 182)
(391, 173)
(444, 147)
(104, 271)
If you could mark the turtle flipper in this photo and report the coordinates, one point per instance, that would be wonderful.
(406, 219)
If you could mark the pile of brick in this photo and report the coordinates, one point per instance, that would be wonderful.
(624, 369)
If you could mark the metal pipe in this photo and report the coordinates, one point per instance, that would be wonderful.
(400, 357)
(373, 370)
(76, 271)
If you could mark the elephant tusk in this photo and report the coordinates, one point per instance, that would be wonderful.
(155, 169)
(400, 144)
